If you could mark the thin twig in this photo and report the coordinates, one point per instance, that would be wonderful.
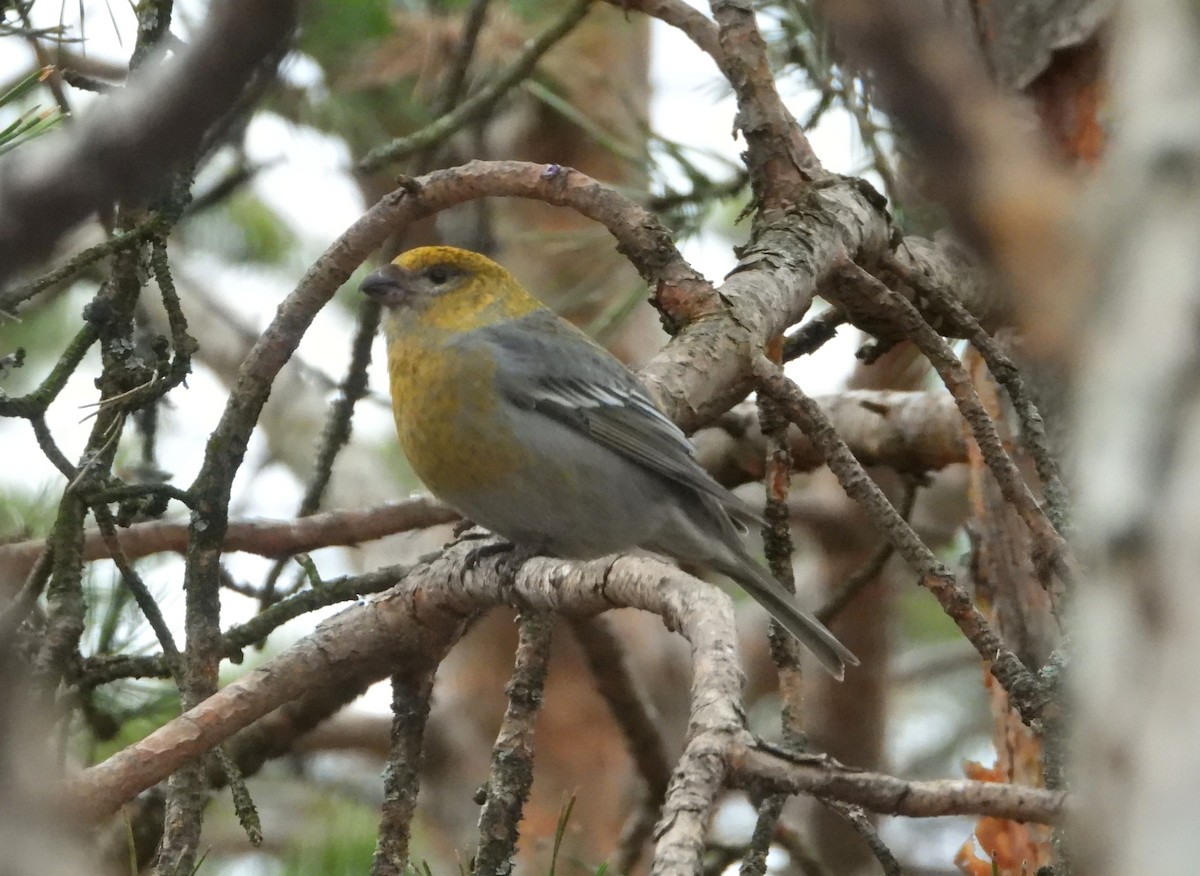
(141, 593)
(1027, 693)
(267, 538)
(401, 778)
(124, 492)
(1033, 428)
(778, 547)
(797, 847)
(50, 448)
(512, 757)
(456, 76)
(58, 657)
(27, 597)
(857, 819)
(15, 296)
(243, 803)
(812, 334)
(785, 650)
(755, 861)
(184, 345)
(35, 403)
(754, 765)
(53, 75)
(1053, 554)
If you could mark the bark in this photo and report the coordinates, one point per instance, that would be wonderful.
(1138, 434)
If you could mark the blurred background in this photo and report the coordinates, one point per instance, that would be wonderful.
(635, 104)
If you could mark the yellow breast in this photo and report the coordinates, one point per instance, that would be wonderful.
(447, 418)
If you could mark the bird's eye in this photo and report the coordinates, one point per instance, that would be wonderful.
(438, 276)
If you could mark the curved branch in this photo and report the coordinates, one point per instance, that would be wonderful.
(692, 22)
(410, 627)
(639, 235)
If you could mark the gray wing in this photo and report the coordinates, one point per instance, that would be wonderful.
(597, 395)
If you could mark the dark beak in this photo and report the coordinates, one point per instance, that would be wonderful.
(386, 285)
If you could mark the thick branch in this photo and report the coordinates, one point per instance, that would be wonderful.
(913, 432)
(132, 141)
(707, 367)
(399, 630)
(778, 155)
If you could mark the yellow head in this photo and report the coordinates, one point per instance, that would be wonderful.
(442, 392)
(445, 289)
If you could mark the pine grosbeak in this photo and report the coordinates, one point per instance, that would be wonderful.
(522, 423)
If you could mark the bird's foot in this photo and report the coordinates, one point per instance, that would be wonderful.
(491, 546)
(511, 564)
(507, 568)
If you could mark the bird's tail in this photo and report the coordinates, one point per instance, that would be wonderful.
(781, 605)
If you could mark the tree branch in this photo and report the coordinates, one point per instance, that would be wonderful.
(133, 140)
(907, 431)
(511, 773)
(751, 766)
(1028, 694)
(1012, 205)
(400, 630)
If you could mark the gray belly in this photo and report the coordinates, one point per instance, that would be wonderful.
(575, 499)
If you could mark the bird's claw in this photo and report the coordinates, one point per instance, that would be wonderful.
(517, 557)
(508, 566)
(490, 548)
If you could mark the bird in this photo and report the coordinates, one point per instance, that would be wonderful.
(522, 423)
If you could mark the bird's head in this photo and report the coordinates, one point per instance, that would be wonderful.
(447, 289)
